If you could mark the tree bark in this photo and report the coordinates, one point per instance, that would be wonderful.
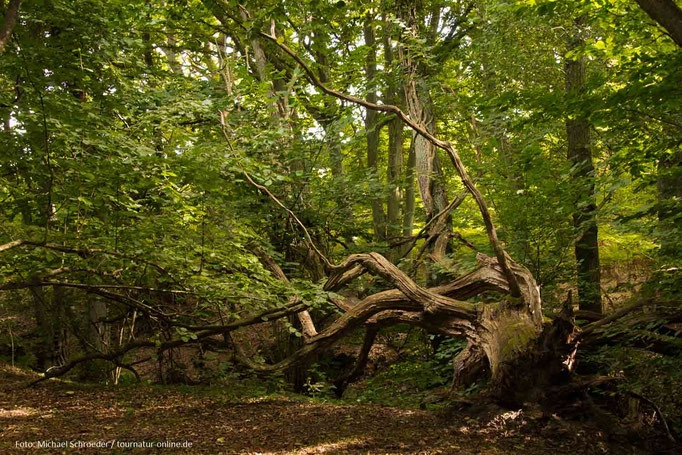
(395, 164)
(667, 14)
(372, 130)
(171, 54)
(524, 356)
(584, 216)
(44, 327)
(395, 150)
(430, 179)
(409, 199)
(468, 366)
(9, 21)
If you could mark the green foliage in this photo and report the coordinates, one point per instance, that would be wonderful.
(128, 126)
(650, 375)
(404, 384)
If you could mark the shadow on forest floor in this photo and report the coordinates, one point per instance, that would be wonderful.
(215, 422)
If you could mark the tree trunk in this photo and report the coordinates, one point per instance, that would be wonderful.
(329, 117)
(49, 316)
(395, 151)
(372, 130)
(667, 14)
(97, 337)
(8, 22)
(669, 195)
(395, 164)
(43, 351)
(409, 199)
(171, 55)
(468, 366)
(584, 216)
(430, 177)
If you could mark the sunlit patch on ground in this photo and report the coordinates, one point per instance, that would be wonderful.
(329, 447)
(17, 412)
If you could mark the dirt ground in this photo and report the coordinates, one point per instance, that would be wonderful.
(75, 418)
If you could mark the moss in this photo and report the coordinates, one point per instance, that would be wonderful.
(515, 337)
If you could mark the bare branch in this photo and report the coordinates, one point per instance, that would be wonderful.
(203, 332)
(308, 238)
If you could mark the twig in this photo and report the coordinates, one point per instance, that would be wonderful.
(309, 240)
(456, 202)
(658, 411)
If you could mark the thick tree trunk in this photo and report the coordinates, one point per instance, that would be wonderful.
(49, 316)
(97, 336)
(584, 215)
(524, 356)
(468, 366)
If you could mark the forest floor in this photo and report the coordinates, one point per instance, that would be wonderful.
(218, 420)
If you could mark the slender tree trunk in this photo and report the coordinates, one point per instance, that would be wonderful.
(329, 119)
(60, 335)
(395, 164)
(372, 130)
(409, 200)
(43, 327)
(171, 55)
(430, 177)
(147, 40)
(669, 196)
(584, 216)
(394, 223)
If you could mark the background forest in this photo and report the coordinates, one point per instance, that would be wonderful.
(183, 185)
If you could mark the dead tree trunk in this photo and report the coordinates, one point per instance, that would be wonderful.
(519, 349)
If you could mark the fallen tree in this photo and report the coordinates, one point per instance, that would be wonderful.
(524, 353)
